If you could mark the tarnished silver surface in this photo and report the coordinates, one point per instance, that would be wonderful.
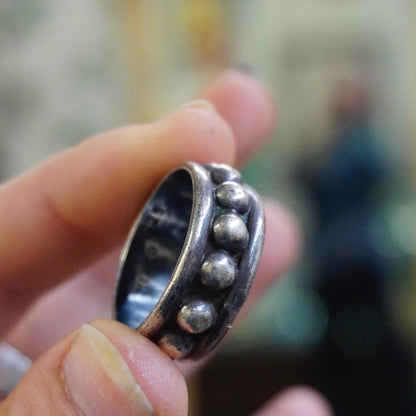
(221, 173)
(232, 195)
(218, 270)
(196, 316)
(190, 259)
(230, 232)
(13, 364)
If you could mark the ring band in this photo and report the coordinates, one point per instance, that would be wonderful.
(190, 259)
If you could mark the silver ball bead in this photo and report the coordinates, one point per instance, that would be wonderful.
(176, 345)
(230, 232)
(221, 173)
(196, 316)
(218, 271)
(232, 195)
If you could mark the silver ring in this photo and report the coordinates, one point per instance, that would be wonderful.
(190, 259)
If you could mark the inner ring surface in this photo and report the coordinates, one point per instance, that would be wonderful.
(154, 249)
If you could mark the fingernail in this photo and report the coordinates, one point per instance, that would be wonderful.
(199, 103)
(244, 68)
(99, 381)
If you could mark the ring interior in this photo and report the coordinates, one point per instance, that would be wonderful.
(154, 249)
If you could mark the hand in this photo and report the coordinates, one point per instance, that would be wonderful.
(73, 212)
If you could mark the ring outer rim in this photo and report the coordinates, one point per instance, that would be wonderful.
(192, 252)
(248, 265)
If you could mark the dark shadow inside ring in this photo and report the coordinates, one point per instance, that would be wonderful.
(155, 246)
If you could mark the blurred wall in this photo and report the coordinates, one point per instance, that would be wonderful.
(71, 69)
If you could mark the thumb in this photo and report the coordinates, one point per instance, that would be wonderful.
(103, 369)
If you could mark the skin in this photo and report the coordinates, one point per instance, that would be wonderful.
(62, 225)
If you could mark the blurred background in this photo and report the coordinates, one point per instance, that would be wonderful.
(343, 74)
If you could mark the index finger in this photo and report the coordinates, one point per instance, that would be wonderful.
(59, 217)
